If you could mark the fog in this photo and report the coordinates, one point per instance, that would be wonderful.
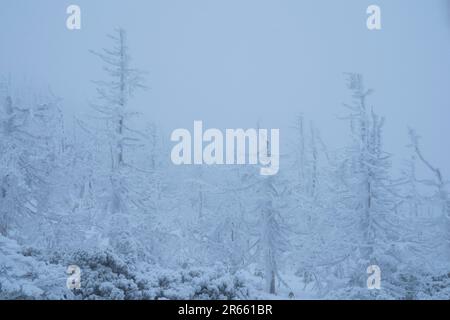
(234, 63)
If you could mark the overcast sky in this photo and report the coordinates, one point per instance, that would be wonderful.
(235, 62)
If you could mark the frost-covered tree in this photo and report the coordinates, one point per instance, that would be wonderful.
(114, 96)
(272, 241)
(431, 193)
(30, 141)
(316, 254)
(228, 225)
(368, 214)
(126, 183)
(12, 188)
(307, 148)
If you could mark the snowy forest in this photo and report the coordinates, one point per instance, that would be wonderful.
(101, 194)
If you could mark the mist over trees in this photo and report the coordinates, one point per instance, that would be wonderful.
(105, 197)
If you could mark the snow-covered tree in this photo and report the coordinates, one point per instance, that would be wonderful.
(368, 215)
(431, 193)
(31, 138)
(128, 185)
(272, 240)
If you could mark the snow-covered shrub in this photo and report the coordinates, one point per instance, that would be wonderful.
(436, 288)
(23, 276)
(104, 275)
(198, 284)
(401, 286)
(107, 276)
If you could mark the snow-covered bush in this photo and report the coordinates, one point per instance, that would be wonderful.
(22, 276)
(104, 275)
(198, 284)
(402, 286)
(107, 276)
(436, 287)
